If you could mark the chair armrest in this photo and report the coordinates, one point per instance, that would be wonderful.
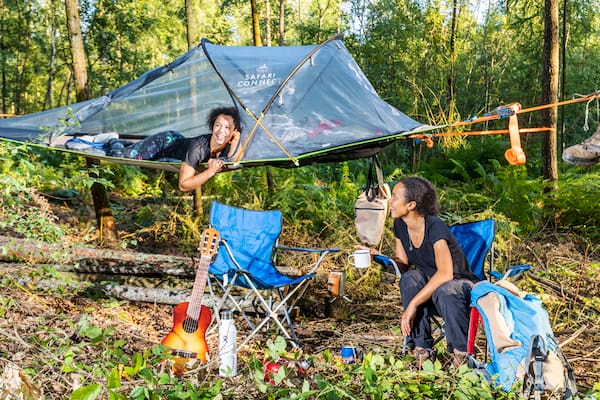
(512, 271)
(308, 250)
(323, 253)
(386, 262)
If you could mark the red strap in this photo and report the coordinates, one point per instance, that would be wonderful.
(473, 325)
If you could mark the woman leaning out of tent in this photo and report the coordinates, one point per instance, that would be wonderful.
(223, 142)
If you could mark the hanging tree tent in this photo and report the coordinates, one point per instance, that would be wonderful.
(299, 105)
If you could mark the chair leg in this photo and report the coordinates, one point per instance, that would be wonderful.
(287, 316)
(228, 299)
(271, 315)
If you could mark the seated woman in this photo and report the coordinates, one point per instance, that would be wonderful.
(441, 280)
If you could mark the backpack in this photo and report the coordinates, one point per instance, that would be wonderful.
(522, 347)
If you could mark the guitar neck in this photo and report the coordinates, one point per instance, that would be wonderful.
(195, 303)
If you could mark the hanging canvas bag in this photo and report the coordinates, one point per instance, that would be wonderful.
(371, 207)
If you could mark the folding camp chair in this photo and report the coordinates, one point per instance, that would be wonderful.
(476, 239)
(246, 259)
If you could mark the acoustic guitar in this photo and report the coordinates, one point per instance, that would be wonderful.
(187, 339)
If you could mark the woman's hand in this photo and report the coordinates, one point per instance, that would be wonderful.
(234, 147)
(215, 165)
(235, 137)
(373, 252)
(407, 319)
(190, 180)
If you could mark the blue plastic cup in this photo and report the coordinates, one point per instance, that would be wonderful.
(349, 354)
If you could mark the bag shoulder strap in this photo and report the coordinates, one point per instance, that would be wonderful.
(369, 184)
(378, 171)
(536, 356)
(375, 189)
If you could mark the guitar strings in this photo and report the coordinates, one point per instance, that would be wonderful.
(189, 324)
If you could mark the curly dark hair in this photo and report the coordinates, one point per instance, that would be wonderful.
(230, 111)
(423, 193)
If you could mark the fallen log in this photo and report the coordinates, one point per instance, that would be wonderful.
(37, 252)
(147, 295)
(89, 260)
(129, 270)
(165, 296)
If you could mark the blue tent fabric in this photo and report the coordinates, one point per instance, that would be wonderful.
(299, 105)
(252, 236)
(525, 317)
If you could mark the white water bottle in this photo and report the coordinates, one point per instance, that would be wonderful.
(227, 345)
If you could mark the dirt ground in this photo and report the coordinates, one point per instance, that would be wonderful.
(36, 323)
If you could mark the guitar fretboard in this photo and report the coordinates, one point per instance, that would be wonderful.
(195, 303)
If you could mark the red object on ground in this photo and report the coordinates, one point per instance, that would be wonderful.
(271, 368)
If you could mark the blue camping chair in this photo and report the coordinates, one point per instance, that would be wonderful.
(476, 239)
(245, 260)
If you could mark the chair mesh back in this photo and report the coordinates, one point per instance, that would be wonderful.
(475, 239)
(251, 235)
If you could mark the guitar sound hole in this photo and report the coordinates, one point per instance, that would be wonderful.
(190, 325)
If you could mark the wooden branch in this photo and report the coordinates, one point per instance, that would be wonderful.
(560, 290)
(573, 337)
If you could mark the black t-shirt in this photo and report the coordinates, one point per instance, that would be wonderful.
(192, 151)
(423, 257)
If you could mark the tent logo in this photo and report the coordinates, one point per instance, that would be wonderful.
(261, 77)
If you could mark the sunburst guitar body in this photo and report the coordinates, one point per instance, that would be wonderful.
(187, 338)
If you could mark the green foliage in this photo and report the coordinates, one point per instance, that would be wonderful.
(145, 371)
(377, 376)
(574, 206)
(25, 213)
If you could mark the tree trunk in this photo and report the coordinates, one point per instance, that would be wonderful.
(197, 199)
(281, 22)
(550, 88)
(563, 84)
(104, 216)
(453, 29)
(268, 21)
(77, 50)
(193, 37)
(3, 96)
(25, 36)
(191, 23)
(52, 30)
(255, 23)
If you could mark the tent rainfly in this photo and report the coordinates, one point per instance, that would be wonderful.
(299, 105)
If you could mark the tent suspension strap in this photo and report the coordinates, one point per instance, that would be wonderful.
(258, 121)
(505, 111)
(477, 133)
(560, 103)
